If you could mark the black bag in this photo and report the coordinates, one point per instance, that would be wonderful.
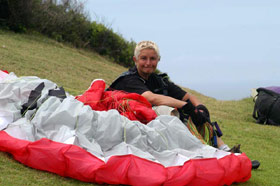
(267, 107)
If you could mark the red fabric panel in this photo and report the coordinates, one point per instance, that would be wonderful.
(181, 175)
(93, 96)
(131, 105)
(131, 170)
(73, 161)
(44, 154)
(5, 71)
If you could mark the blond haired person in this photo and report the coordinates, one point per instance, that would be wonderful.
(162, 93)
(158, 90)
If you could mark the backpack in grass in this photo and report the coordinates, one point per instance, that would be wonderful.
(267, 106)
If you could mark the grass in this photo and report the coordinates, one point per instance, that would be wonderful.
(74, 69)
(71, 68)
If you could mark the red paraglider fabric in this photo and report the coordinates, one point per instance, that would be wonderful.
(131, 105)
(72, 161)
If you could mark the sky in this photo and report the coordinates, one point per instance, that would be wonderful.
(220, 48)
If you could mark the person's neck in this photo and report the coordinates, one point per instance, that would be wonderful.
(144, 75)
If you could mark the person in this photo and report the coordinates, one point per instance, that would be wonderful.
(159, 91)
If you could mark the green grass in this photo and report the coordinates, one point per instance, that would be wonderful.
(74, 69)
(29, 55)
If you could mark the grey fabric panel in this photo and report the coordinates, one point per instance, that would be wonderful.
(22, 129)
(107, 133)
(103, 133)
(14, 92)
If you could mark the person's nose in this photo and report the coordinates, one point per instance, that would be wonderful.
(149, 61)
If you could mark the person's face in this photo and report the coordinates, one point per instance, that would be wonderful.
(147, 62)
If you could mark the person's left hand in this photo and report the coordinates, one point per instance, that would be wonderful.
(199, 114)
(204, 112)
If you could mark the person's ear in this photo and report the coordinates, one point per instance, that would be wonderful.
(134, 59)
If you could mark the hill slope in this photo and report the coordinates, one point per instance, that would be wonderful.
(74, 69)
(35, 55)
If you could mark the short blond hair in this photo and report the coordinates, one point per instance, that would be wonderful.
(144, 45)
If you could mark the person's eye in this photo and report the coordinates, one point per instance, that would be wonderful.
(153, 58)
(143, 58)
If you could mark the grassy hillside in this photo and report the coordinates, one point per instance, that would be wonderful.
(31, 55)
(28, 55)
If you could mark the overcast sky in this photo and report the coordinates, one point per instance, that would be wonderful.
(221, 48)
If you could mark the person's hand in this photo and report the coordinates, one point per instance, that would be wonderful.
(190, 110)
(204, 111)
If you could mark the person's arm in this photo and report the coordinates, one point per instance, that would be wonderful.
(198, 105)
(157, 99)
(177, 92)
(184, 107)
(192, 98)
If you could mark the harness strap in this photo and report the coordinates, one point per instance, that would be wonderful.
(162, 78)
(270, 108)
(127, 73)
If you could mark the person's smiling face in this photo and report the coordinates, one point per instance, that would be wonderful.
(146, 62)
